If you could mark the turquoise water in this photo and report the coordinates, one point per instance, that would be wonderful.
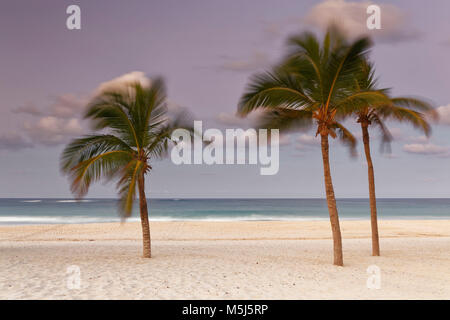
(56, 211)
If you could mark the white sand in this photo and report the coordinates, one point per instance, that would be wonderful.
(224, 260)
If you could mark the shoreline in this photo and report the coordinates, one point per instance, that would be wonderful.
(225, 230)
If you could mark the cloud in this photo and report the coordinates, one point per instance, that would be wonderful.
(257, 60)
(13, 141)
(61, 120)
(63, 106)
(28, 108)
(122, 82)
(306, 143)
(51, 130)
(397, 134)
(67, 106)
(56, 124)
(352, 18)
(308, 140)
(234, 121)
(426, 149)
(444, 114)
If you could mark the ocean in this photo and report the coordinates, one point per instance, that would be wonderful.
(58, 211)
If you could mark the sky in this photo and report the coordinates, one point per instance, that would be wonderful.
(206, 50)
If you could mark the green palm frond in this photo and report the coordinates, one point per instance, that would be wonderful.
(127, 185)
(346, 137)
(415, 118)
(343, 67)
(359, 101)
(85, 148)
(268, 90)
(111, 111)
(416, 104)
(104, 165)
(285, 119)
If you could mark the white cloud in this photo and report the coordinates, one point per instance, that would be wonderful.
(63, 106)
(305, 143)
(61, 120)
(444, 114)
(52, 130)
(122, 82)
(426, 149)
(67, 106)
(352, 18)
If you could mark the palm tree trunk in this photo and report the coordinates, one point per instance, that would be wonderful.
(331, 201)
(372, 197)
(144, 218)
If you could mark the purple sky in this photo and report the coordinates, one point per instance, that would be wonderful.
(206, 50)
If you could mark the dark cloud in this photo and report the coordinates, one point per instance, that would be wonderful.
(13, 141)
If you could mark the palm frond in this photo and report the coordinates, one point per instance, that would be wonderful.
(285, 119)
(386, 136)
(400, 114)
(111, 110)
(416, 104)
(346, 137)
(127, 186)
(104, 165)
(268, 90)
(360, 101)
(343, 64)
(90, 146)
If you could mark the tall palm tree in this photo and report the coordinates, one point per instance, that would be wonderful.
(313, 85)
(138, 130)
(402, 109)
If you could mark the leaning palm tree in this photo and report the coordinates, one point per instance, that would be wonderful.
(403, 109)
(138, 131)
(313, 86)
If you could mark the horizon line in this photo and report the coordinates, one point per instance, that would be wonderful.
(222, 198)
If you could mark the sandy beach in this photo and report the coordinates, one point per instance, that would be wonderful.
(224, 260)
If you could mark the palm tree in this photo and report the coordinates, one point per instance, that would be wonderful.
(138, 131)
(313, 85)
(402, 109)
